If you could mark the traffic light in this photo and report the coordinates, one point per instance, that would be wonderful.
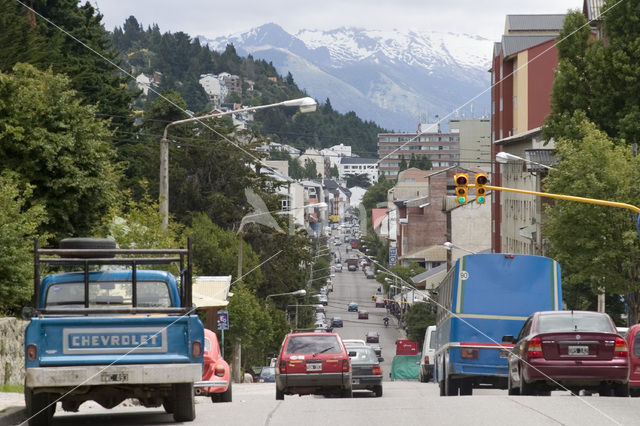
(481, 191)
(461, 180)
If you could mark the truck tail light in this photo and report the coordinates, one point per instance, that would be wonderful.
(534, 349)
(219, 370)
(426, 360)
(346, 365)
(32, 352)
(621, 348)
(468, 353)
(196, 348)
(377, 371)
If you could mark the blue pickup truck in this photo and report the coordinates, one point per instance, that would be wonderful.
(105, 327)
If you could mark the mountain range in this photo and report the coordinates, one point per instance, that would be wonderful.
(394, 78)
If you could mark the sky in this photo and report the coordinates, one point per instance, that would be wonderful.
(213, 18)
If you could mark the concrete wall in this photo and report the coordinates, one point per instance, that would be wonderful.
(12, 351)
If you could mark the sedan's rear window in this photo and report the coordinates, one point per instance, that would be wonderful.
(574, 322)
(363, 356)
(326, 344)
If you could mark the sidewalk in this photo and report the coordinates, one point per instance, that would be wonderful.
(12, 410)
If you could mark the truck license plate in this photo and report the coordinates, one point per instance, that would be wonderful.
(314, 367)
(578, 350)
(114, 377)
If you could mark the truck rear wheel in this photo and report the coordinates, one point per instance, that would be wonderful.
(184, 406)
(40, 407)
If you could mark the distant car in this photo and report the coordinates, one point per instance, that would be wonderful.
(323, 300)
(372, 337)
(336, 322)
(353, 307)
(573, 349)
(320, 324)
(337, 267)
(425, 373)
(366, 372)
(313, 363)
(368, 272)
(216, 375)
(363, 315)
(622, 331)
(267, 375)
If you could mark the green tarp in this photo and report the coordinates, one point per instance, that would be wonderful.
(405, 367)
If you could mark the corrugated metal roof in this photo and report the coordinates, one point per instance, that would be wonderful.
(542, 156)
(592, 9)
(512, 44)
(534, 22)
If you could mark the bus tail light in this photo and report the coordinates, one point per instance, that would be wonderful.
(196, 348)
(468, 353)
(32, 352)
(534, 349)
(621, 348)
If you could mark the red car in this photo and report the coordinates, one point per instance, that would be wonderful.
(633, 342)
(313, 363)
(216, 377)
(571, 350)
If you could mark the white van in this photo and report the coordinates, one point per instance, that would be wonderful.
(425, 373)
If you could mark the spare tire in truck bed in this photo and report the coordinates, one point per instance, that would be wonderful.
(87, 244)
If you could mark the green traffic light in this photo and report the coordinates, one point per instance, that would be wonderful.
(480, 200)
(461, 200)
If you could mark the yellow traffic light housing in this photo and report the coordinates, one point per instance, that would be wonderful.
(462, 181)
(481, 191)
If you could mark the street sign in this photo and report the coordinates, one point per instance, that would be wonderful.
(223, 320)
(392, 256)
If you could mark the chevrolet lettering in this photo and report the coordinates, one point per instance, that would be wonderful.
(108, 340)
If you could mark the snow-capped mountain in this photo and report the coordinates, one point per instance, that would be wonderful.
(395, 78)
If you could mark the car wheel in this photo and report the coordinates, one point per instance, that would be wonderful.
(466, 387)
(526, 388)
(510, 389)
(621, 389)
(634, 393)
(603, 390)
(216, 397)
(226, 395)
(377, 390)
(87, 244)
(40, 407)
(167, 405)
(347, 393)
(184, 402)
(279, 395)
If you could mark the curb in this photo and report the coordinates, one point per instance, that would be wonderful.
(13, 416)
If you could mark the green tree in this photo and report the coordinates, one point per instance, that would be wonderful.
(376, 194)
(418, 318)
(361, 180)
(334, 172)
(597, 245)
(310, 170)
(18, 228)
(57, 145)
(403, 164)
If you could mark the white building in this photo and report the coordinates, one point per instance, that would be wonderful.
(358, 166)
(315, 156)
(335, 153)
(143, 82)
(214, 87)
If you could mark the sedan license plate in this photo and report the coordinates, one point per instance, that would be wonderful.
(114, 377)
(316, 366)
(578, 350)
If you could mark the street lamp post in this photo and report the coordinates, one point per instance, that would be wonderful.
(505, 157)
(305, 104)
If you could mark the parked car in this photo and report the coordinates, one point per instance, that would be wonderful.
(313, 363)
(363, 315)
(366, 371)
(337, 267)
(216, 376)
(267, 375)
(425, 373)
(323, 300)
(372, 337)
(568, 349)
(336, 322)
(633, 343)
(353, 307)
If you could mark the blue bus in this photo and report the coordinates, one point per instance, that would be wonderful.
(482, 298)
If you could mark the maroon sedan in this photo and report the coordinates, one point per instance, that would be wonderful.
(568, 350)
